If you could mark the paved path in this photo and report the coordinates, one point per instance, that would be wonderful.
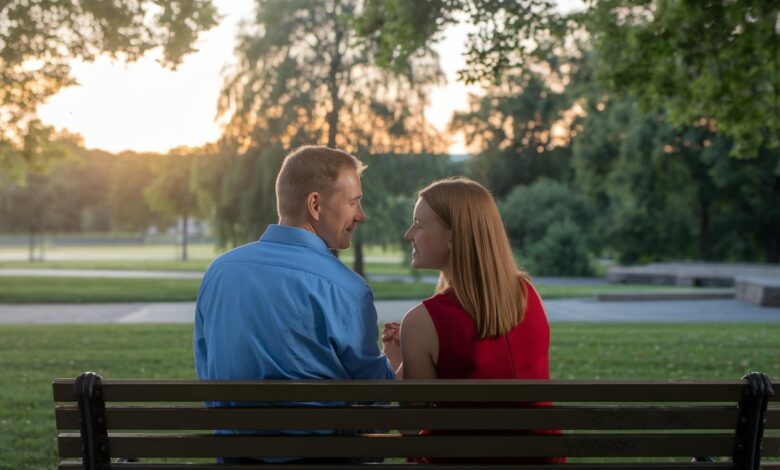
(566, 310)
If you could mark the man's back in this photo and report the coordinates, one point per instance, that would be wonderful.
(285, 308)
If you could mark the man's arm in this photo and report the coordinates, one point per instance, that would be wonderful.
(199, 346)
(358, 348)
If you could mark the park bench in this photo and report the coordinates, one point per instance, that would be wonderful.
(613, 422)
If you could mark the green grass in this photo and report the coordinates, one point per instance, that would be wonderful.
(130, 252)
(198, 265)
(588, 290)
(82, 290)
(33, 289)
(44, 289)
(33, 355)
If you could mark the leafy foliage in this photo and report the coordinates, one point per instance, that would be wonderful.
(715, 59)
(39, 40)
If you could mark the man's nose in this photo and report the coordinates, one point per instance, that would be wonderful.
(361, 215)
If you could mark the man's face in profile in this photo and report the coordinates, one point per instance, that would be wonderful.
(341, 211)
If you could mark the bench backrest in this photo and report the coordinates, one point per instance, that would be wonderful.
(614, 421)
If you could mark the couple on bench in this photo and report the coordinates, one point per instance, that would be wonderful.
(285, 308)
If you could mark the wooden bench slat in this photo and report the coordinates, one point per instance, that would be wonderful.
(771, 446)
(575, 466)
(590, 418)
(466, 445)
(439, 390)
(772, 418)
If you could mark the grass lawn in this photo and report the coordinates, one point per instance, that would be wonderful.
(197, 265)
(33, 355)
(114, 251)
(33, 289)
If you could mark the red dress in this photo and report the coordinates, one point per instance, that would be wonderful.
(523, 353)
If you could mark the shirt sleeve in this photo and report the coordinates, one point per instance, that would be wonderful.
(199, 346)
(358, 345)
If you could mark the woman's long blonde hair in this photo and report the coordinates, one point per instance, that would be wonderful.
(485, 278)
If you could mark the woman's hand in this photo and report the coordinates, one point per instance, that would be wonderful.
(391, 343)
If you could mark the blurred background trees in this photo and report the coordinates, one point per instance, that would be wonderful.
(631, 130)
(40, 39)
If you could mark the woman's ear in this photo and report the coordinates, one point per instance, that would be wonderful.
(314, 205)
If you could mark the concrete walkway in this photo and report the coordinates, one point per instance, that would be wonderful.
(566, 310)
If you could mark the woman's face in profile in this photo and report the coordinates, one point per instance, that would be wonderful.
(431, 238)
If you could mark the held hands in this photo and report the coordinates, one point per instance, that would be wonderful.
(391, 342)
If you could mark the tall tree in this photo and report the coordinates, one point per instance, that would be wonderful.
(130, 175)
(304, 76)
(40, 38)
(514, 126)
(715, 59)
(400, 28)
(173, 193)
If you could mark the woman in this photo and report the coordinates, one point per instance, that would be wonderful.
(485, 320)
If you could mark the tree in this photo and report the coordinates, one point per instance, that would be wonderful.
(708, 70)
(549, 224)
(662, 193)
(43, 202)
(131, 174)
(172, 192)
(305, 77)
(513, 124)
(40, 39)
(390, 186)
(400, 28)
(713, 59)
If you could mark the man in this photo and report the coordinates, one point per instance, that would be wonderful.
(284, 307)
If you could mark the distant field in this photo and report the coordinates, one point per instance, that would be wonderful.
(33, 355)
(194, 265)
(34, 289)
(136, 252)
(23, 289)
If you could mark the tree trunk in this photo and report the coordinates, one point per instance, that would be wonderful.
(705, 242)
(773, 237)
(184, 239)
(31, 245)
(358, 266)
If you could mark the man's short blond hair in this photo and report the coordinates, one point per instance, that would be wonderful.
(310, 169)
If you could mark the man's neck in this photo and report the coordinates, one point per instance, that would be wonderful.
(305, 225)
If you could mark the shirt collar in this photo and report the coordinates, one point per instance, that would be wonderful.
(288, 235)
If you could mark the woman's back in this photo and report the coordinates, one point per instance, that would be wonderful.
(520, 354)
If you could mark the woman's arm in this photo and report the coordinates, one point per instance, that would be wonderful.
(419, 344)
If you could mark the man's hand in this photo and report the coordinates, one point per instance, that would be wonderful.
(391, 344)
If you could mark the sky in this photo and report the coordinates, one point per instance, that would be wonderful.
(110, 106)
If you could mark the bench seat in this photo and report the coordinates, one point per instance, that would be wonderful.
(609, 424)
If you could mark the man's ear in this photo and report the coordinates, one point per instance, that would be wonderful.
(314, 205)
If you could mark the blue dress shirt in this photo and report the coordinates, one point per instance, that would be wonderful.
(285, 308)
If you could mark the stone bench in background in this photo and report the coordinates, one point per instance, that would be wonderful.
(763, 291)
(691, 273)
